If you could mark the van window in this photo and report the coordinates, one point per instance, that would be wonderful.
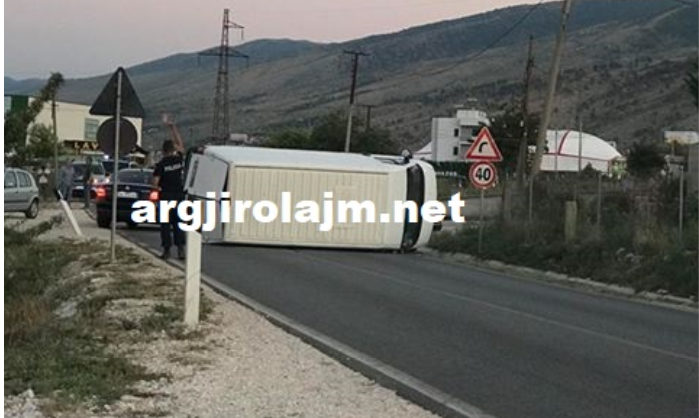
(24, 180)
(10, 180)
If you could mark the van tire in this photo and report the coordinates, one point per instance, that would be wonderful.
(33, 210)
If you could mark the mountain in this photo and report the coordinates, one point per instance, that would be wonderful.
(622, 72)
(26, 86)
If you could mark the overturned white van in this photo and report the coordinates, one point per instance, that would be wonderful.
(273, 175)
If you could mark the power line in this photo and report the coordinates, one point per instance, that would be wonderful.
(491, 45)
(686, 2)
(509, 31)
(315, 10)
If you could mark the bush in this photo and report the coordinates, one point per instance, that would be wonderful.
(655, 262)
(51, 355)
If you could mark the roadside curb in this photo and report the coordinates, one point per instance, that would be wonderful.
(561, 279)
(406, 386)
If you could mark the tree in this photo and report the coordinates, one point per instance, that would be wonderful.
(374, 141)
(41, 142)
(17, 122)
(329, 135)
(291, 138)
(506, 128)
(692, 85)
(645, 161)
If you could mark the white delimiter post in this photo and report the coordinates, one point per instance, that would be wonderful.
(69, 214)
(192, 279)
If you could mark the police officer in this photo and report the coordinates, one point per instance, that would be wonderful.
(168, 177)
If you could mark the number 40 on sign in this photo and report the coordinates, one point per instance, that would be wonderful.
(482, 175)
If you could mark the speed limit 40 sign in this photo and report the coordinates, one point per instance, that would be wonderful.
(482, 175)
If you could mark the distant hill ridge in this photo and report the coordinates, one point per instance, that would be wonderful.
(623, 69)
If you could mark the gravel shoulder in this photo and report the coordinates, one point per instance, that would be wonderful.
(235, 364)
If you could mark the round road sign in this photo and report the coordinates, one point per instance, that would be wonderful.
(482, 175)
(128, 137)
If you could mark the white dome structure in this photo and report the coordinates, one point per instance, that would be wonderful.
(573, 151)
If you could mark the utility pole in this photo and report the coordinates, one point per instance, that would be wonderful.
(221, 127)
(55, 138)
(524, 143)
(367, 125)
(355, 65)
(553, 81)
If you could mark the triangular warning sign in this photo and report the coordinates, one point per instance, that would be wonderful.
(484, 148)
(106, 102)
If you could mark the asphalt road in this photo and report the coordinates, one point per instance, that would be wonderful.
(510, 347)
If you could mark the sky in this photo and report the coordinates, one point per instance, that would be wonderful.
(90, 37)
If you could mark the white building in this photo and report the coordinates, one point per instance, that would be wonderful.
(568, 150)
(76, 128)
(451, 137)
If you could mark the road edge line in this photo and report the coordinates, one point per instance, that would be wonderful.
(387, 376)
(404, 385)
(585, 286)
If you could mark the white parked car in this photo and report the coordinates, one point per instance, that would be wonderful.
(21, 193)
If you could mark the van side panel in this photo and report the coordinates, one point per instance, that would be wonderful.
(259, 183)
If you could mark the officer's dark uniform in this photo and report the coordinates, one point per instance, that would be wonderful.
(170, 169)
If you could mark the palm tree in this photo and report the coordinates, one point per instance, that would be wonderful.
(17, 123)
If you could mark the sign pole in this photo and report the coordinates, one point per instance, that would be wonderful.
(480, 222)
(115, 181)
(483, 174)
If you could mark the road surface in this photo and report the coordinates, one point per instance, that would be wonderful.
(510, 347)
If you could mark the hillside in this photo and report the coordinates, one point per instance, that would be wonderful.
(623, 69)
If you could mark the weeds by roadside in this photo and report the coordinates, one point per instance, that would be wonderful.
(638, 248)
(65, 306)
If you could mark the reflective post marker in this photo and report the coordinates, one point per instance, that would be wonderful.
(192, 279)
(69, 214)
(115, 181)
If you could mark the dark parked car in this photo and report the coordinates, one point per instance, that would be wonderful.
(123, 165)
(134, 184)
(97, 176)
